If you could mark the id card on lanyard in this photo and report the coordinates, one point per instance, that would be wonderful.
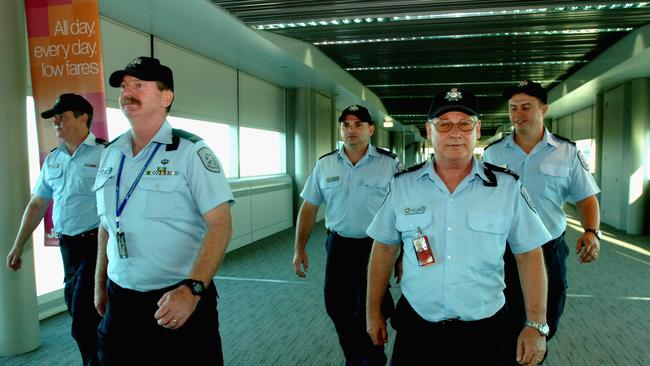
(119, 207)
(423, 250)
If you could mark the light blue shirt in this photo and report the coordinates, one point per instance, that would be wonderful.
(552, 173)
(352, 193)
(69, 179)
(163, 219)
(467, 231)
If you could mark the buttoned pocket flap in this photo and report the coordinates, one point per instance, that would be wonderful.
(101, 181)
(554, 170)
(160, 183)
(406, 221)
(376, 182)
(488, 223)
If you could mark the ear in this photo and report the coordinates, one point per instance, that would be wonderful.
(429, 131)
(372, 129)
(544, 109)
(478, 129)
(168, 97)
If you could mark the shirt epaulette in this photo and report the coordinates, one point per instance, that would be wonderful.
(186, 135)
(496, 168)
(494, 142)
(411, 169)
(386, 152)
(54, 149)
(100, 141)
(563, 139)
(117, 138)
(329, 153)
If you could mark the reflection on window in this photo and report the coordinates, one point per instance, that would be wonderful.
(261, 152)
(588, 149)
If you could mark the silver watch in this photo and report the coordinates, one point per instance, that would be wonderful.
(542, 328)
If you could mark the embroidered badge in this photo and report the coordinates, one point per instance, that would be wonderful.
(417, 210)
(354, 108)
(209, 160)
(526, 197)
(161, 170)
(332, 179)
(454, 95)
(523, 83)
(53, 165)
(583, 161)
(104, 171)
(164, 161)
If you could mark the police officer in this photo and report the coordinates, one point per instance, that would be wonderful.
(552, 170)
(164, 205)
(352, 181)
(452, 216)
(67, 176)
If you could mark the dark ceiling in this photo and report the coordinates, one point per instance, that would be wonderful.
(406, 51)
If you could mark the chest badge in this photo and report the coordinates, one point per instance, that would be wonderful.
(164, 161)
(417, 210)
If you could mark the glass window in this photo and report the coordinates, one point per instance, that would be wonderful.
(116, 123)
(261, 152)
(588, 149)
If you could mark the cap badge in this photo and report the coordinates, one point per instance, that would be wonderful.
(453, 95)
(353, 108)
(135, 62)
(523, 83)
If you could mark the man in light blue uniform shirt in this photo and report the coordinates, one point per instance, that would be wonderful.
(452, 216)
(67, 177)
(164, 205)
(552, 170)
(352, 181)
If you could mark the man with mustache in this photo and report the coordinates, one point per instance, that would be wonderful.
(352, 181)
(67, 177)
(164, 205)
(553, 170)
(452, 216)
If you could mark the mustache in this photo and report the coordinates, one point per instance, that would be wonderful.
(129, 100)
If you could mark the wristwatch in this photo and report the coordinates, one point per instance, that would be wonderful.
(594, 231)
(197, 287)
(542, 328)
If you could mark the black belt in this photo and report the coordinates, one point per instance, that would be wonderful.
(84, 235)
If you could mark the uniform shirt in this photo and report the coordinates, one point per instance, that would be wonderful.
(467, 231)
(352, 193)
(553, 171)
(162, 220)
(69, 180)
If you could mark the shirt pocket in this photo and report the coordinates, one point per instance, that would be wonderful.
(488, 234)
(375, 190)
(330, 188)
(104, 189)
(85, 181)
(54, 177)
(159, 197)
(409, 226)
(556, 177)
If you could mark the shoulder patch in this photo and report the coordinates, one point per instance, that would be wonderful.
(563, 139)
(494, 142)
(329, 153)
(54, 149)
(411, 169)
(529, 201)
(386, 152)
(583, 161)
(186, 135)
(100, 141)
(496, 168)
(209, 160)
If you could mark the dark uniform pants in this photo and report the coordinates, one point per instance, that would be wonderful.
(555, 255)
(79, 254)
(346, 276)
(448, 342)
(130, 335)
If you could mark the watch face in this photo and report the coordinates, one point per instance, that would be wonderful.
(197, 287)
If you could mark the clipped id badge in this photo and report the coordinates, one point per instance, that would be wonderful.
(121, 244)
(423, 249)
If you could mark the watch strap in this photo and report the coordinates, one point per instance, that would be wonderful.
(594, 231)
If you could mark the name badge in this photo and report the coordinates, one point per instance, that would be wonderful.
(417, 210)
(332, 179)
(104, 171)
(91, 165)
(53, 165)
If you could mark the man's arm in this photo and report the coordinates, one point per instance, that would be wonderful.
(588, 246)
(304, 226)
(101, 270)
(380, 267)
(32, 216)
(531, 345)
(177, 305)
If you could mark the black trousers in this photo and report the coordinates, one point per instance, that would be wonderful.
(346, 275)
(130, 335)
(79, 254)
(453, 342)
(555, 255)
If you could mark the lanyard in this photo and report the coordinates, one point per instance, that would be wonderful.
(119, 207)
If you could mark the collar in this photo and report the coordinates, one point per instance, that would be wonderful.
(371, 151)
(89, 140)
(163, 136)
(478, 169)
(547, 139)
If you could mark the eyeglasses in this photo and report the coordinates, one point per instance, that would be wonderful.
(446, 126)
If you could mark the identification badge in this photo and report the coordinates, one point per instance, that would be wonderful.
(121, 244)
(423, 249)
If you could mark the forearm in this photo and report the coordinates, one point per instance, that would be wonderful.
(382, 259)
(532, 274)
(589, 211)
(215, 242)
(102, 258)
(34, 213)
(305, 224)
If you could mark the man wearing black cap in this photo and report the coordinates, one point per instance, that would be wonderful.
(67, 176)
(352, 181)
(553, 170)
(164, 205)
(452, 216)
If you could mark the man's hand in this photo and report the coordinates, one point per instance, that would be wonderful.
(300, 261)
(14, 261)
(100, 298)
(531, 347)
(588, 247)
(175, 307)
(376, 327)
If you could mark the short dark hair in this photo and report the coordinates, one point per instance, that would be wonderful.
(78, 114)
(162, 86)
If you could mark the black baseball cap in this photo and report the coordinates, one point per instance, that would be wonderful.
(68, 102)
(358, 111)
(453, 99)
(144, 68)
(527, 87)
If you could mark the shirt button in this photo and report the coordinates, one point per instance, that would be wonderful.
(449, 228)
(449, 257)
(451, 200)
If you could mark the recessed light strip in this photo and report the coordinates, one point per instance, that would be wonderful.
(346, 21)
(450, 66)
(456, 84)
